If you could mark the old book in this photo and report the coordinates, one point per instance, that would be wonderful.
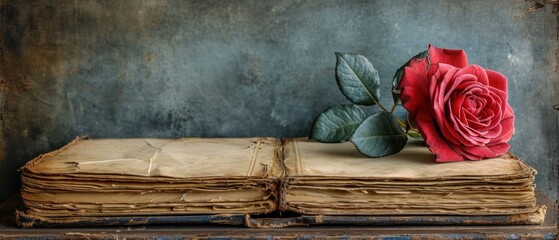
(335, 179)
(120, 178)
(155, 177)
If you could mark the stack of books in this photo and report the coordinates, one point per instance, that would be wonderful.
(335, 179)
(115, 177)
(127, 178)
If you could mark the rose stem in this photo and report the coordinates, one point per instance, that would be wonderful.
(400, 122)
(394, 106)
(377, 103)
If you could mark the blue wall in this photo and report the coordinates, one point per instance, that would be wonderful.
(246, 68)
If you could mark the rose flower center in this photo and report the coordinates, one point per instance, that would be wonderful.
(474, 107)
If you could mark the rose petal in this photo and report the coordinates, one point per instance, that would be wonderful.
(476, 71)
(414, 86)
(507, 125)
(447, 130)
(455, 84)
(451, 130)
(461, 131)
(468, 155)
(495, 132)
(497, 80)
(471, 136)
(454, 57)
(442, 77)
(499, 149)
(490, 151)
(507, 131)
(456, 106)
(498, 96)
(436, 143)
(496, 108)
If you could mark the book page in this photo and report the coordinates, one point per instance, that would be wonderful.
(174, 158)
(307, 158)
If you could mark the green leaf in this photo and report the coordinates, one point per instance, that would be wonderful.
(357, 78)
(400, 72)
(337, 124)
(379, 135)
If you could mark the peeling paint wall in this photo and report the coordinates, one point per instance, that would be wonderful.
(245, 68)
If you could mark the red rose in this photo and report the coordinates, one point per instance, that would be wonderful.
(460, 110)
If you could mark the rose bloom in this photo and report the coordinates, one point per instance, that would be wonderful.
(460, 110)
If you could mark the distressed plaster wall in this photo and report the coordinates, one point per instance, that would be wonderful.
(246, 68)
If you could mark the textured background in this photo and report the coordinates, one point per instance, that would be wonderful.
(246, 68)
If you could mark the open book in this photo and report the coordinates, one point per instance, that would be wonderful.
(255, 176)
